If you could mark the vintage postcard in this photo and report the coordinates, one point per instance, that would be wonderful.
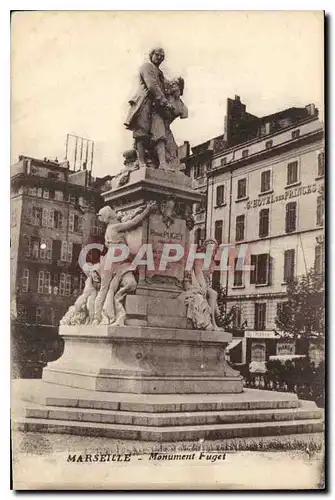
(167, 250)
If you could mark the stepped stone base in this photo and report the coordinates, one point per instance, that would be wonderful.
(44, 407)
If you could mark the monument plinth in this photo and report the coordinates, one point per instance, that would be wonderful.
(156, 350)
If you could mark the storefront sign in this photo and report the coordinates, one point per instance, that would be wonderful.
(285, 348)
(260, 335)
(289, 193)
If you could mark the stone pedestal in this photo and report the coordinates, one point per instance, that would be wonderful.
(144, 360)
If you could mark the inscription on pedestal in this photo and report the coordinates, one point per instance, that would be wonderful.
(160, 233)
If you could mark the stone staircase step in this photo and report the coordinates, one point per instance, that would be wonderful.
(171, 433)
(308, 410)
(48, 394)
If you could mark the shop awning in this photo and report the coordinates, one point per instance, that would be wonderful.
(233, 344)
(286, 357)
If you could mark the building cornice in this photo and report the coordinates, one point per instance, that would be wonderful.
(267, 153)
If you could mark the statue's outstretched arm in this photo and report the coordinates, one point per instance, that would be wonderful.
(130, 224)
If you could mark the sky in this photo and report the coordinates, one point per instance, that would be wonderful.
(74, 72)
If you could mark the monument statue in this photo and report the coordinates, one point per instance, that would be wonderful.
(106, 287)
(155, 106)
(201, 298)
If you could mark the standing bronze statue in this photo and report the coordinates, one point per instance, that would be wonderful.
(156, 104)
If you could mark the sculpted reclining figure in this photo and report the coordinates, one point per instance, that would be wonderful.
(201, 298)
(107, 285)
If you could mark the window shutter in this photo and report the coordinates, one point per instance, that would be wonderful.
(69, 251)
(29, 214)
(319, 210)
(62, 278)
(68, 285)
(49, 249)
(56, 250)
(64, 251)
(253, 262)
(40, 282)
(290, 217)
(71, 223)
(45, 217)
(47, 284)
(60, 220)
(51, 218)
(75, 254)
(80, 224)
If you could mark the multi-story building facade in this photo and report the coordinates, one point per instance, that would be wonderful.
(266, 194)
(53, 214)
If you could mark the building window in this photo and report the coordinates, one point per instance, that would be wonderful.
(319, 211)
(58, 195)
(216, 280)
(321, 164)
(35, 248)
(66, 251)
(223, 161)
(82, 282)
(45, 249)
(46, 194)
(50, 316)
(25, 280)
(318, 260)
(37, 216)
(269, 144)
(65, 287)
(13, 217)
(58, 219)
(199, 170)
(240, 227)
(73, 200)
(39, 315)
(260, 314)
(32, 191)
(22, 314)
(245, 153)
(68, 285)
(75, 285)
(258, 353)
(289, 264)
(295, 134)
(26, 246)
(237, 318)
(219, 195)
(291, 217)
(197, 236)
(218, 230)
(43, 282)
(75, 223)
(264, 222)
(261, 269)
(265, 181)
(292, 173)
(238, 274)
(98, 229)
(241, 188)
